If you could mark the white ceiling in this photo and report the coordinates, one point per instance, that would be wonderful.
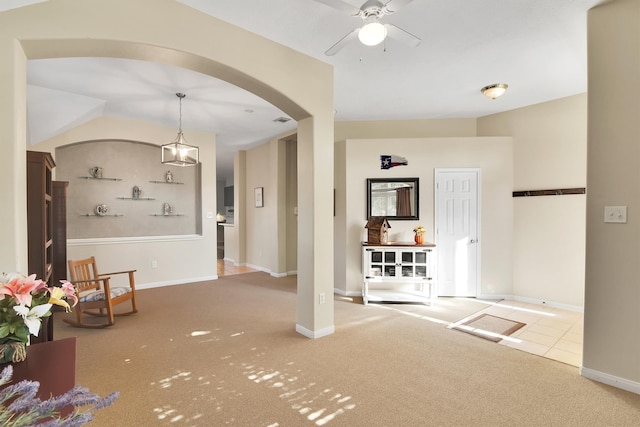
(537, 47)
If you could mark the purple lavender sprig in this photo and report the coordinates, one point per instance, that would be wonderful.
(25, 409)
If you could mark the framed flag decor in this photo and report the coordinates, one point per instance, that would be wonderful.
(387, 161)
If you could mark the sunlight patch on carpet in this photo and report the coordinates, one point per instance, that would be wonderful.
(489, 327)
(314, 403)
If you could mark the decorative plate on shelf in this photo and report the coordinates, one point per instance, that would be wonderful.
(102, 210)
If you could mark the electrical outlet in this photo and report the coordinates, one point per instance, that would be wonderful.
(321, 298)
(616, 214)
(154, 264)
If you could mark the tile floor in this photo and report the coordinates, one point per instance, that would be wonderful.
(549, 332)
(227, 268)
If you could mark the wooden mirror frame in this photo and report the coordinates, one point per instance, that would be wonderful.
(395, 182)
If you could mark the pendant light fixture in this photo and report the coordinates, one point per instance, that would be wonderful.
(495, 90)
(179, 153)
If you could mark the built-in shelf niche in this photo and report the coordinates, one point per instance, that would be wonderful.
(127, 165)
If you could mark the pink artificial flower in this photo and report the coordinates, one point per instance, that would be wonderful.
(21, 287)
(70, 291)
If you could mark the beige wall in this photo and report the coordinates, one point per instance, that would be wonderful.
(548, 236)
(270, 241)
(180, 259)
(343, 250)
(549, 151)
(291, 209)
(261, 222)
(126, 164)
(361, 160)
(419, 128)
(612, 299)
(234, 234)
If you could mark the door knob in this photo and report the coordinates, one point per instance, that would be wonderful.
(473, 241)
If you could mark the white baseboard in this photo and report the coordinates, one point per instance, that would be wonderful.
(495, 297)
(344, 293)
(622, 383)
(553, 304)
(203, 279)
(175, 282)
(315, 334)
(278, 274)
(271, 273)
(257, 267)
(285, 274)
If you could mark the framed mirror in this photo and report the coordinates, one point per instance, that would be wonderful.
(395, 198)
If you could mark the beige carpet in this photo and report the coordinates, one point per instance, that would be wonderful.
(226, 353)
(492, 328)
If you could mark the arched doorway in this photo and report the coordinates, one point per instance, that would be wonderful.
(125, 29)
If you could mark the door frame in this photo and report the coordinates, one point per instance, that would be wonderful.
(478, 172)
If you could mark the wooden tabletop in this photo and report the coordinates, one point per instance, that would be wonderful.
(52, 364)
(425, 244)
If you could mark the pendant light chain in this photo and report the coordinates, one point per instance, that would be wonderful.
(181, 96)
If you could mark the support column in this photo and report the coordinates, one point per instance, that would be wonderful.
(314, 316)
(13, 173)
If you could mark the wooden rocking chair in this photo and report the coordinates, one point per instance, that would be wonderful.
(95, 292)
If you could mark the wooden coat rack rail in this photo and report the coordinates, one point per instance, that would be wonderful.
(554, 192)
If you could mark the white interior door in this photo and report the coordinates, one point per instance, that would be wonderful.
(457, 231)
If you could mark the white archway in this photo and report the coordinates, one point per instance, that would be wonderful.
(299, 85)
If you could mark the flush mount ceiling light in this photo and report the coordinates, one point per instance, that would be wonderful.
(495, 90)
(179, 153)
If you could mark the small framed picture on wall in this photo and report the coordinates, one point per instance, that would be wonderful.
(257, 196)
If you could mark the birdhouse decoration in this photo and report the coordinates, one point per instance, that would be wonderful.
(377, 230)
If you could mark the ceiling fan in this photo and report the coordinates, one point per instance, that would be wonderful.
(372, 32)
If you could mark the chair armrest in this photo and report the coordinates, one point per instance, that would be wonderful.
(132, 282)
(97, 279)
(117, 272)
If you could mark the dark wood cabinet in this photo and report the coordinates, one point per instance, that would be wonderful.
(46, 227)
(59, 262)
(40, 214)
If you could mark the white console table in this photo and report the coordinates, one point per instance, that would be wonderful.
(398, 272)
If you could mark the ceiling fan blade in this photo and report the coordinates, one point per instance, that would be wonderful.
(395, 5)
(402, 35)
(341, 6)
(342, 42)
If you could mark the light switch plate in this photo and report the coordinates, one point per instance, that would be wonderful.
(615, 214)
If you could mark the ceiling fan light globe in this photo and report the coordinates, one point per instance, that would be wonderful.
(372, 34)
